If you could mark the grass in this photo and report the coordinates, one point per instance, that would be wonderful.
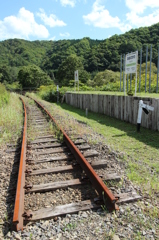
(11, 120)
(138, 151)
(4, 95)
(142, 94)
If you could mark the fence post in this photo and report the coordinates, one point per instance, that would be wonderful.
(146, 67)
(120, 71)
(123, 72)
(157, 71)
(150, 69)
(140, 69)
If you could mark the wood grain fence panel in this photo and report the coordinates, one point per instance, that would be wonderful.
(157, 110)
(106, 105)
(101, 104)
(121, 107)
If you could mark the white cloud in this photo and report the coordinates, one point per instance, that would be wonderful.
(52, 38)
(51, 21)
(66, 34)
(68, 2)
(139, 21)
(139, 6)
(100, 17)
(22, 26)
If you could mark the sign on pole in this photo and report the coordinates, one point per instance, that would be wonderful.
(76, 75)
(131, 66)
(76, 79)
(131, 62)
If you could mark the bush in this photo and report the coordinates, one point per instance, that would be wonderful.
(49, 93)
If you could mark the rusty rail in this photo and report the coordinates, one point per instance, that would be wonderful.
(19, 199)
(107, 196)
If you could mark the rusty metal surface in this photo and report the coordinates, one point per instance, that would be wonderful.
(19, 199)
(107, 196)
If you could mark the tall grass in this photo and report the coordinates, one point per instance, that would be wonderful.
(4, 95)
(11, 119)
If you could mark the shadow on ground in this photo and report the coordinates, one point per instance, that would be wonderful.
(145, 135)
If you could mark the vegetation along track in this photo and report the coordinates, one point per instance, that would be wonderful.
(56, 174)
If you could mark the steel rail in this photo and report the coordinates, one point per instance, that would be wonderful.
(104, 193)
(20, 191)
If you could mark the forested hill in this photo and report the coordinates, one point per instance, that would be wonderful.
(94, 55)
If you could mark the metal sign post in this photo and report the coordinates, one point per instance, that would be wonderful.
(131, 67)
(76, 79)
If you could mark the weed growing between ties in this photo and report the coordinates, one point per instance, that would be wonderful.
(55, 131)
(11, 121)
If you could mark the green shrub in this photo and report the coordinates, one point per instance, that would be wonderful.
(49, 93)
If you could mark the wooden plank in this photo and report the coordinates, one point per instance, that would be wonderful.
(52, 170)
(94, 164)
(41, 120)
(112, 106)
(61, 150)
(44, 140)
(55, 185)
(116, 106)
(154, 115)
(127, 197)
(51, 159)
(83, 147)
(68, 183)
(88, 154)
(125, 104)
(52, 151)
(131, 110)
(100, 103)
(135, 111)
(79, 141)
(47, 136)
(13, 150)
(105, 104)
(122, 107)
(47, 213)
(91, 153)
(157, 111)
(46, 146)
(119, 107)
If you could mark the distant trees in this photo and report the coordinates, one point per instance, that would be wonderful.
(66, 70)
(57, 60)
(8, 74)
(33, 76)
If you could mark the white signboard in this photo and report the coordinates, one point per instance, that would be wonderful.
(76, 76)
(131, 62)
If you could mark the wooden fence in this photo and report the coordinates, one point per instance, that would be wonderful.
(121, 107)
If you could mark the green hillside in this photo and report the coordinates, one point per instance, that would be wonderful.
(55, 58)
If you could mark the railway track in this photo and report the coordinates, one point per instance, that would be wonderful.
(57, 175)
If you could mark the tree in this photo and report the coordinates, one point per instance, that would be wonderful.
(33, 76)
(66, 70)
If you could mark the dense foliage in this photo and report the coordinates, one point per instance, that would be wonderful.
(57, 60)
(32, 76)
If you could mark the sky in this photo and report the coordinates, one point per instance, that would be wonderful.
(74, 19)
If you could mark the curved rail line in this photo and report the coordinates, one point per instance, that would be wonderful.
(103, 191)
